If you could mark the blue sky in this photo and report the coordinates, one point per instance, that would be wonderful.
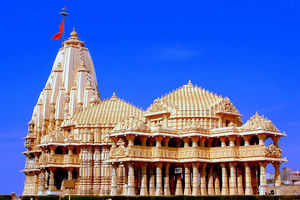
(246, 50)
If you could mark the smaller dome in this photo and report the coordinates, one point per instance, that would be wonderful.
(108, 113)
(258, 122)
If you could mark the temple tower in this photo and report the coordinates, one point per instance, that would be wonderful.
(71, 86)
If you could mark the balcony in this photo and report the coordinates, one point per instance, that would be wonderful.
(214, 154)
(61, 160)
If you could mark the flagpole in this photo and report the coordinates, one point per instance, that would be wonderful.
(64, 14)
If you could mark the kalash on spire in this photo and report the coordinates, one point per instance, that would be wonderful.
(80, 145)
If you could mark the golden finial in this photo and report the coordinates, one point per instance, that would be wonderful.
(114, 96)
(74, 34)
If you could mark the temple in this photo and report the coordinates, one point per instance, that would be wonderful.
(188, 142)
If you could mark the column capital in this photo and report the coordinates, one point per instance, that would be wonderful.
(223, 164)
(196, 164)
(159, 164)
(276, 164)
(263, 164)
(195, 138)
(143, 140)
(232, 164)
(223, 138)
(232, 137)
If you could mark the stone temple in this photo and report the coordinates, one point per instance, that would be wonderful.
(188, 142)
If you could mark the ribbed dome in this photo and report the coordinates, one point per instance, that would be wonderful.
(190, 100)
(108, 113)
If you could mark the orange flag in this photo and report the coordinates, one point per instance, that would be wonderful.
(61, 31)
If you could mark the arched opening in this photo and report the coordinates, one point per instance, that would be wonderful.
(172, 142)
(59, 175)
(242, 141)
(216, 142)
(268, 141)
(59, 150)
(181, 143)
(150, 142)
(137, 141)
(254, 140)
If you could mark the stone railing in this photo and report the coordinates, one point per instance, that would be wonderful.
(31, 164)
(188, 153)
(59, 159)
(58, 137)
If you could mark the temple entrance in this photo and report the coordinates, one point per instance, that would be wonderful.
(59, 175)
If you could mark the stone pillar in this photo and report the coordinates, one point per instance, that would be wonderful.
(167, 181)
(125, 186)
(51, 181)
(159, 179)
(178, 191)
(144, 188)
(203, 180)
(202, 141)
(195, 141)
(166, 141)
(210, 185)
(113, 188)
(143, 140)
(70, 173)
(277, 178)
(90, 171)
(248, 185)
(97, 171)
(186, 142)
(217, 185)
(231, 141)
(224, 180)
(131, 182)
(254, 178)
(196, 191)
(232, 180)
(261, 138)
(130, 139)
(262, 178)
(41, 183)
(223, 139)
(158, 141)
(247, 139)
(275, 140)
(240, 188)
(152, 182)
(187, 178)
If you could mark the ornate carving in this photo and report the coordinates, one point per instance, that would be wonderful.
(260, 122)
(273, 151)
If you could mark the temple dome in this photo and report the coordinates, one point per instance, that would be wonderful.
(107, 113)
(193, 101)
(258, 122)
